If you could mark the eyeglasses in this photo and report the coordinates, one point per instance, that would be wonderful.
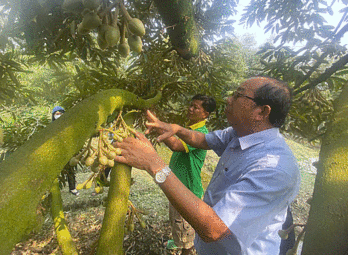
(237, 94)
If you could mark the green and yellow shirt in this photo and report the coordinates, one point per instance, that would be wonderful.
(187, 165)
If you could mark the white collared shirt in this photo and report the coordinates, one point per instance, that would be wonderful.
(256, 179)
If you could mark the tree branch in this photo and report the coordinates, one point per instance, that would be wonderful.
(324, 76)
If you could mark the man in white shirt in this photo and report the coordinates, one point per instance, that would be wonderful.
(254, 182)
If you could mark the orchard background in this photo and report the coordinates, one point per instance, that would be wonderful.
(55, 52)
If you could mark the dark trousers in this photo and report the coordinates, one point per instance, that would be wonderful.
(71, 180)
(287, 244)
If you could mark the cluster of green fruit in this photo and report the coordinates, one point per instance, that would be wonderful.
(101, 156)
(310, 112)
(127, 31)
(131, 214)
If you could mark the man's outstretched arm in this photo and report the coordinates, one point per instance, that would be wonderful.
(194, 138)
(140, 153)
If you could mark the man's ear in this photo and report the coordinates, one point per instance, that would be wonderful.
(263, 112)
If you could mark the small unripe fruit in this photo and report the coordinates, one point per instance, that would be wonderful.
(98, 189)
(143, 224)
(80, 186)
(91, 21)
(111, 162)
(118, 151)
(135, 43)
(102, 43)
(112, 35)
(112, 155)
(103, 160)
(89, 161)
(95, 167)
(89, 184)
(81, 30)
(131, 227)
(91, 4)
(124, 49)
(136, 26)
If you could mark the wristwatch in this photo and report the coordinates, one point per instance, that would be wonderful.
(162, 174)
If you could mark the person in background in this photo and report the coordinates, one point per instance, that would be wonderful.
(255, 180)
(186, 163)
(57, 112)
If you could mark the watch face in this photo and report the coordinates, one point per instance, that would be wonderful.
(160, 177)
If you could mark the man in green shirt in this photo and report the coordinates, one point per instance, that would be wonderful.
(186, 163)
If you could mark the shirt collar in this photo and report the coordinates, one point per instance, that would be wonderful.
(257, 138)
(198, 125)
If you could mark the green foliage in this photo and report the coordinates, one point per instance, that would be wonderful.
(321, 62)
(20, 123)
(10, 87)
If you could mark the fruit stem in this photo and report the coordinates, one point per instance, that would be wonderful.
(123, 32)
(114, 16)
(125, 12)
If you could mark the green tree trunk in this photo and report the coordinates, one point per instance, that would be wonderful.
(112, 232)
(31, 170)
(64, 239)
(327, 227)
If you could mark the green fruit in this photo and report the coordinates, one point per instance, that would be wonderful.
(102, 43)
(135, 43)
(136, 26)
(118, 151)
(89, 161)
(89, 184)
(91, 21)
(72, 5)
(103, 160)
(95, 167)
(111, 162)
(143, 224)
(81, 30)
(112, 35)
(91, 4)
(131, 227)
(101, 31)
(98, 189)
(80, 186)
(124, 49)
(111, 155)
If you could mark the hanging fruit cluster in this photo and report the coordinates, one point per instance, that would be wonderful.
(111, 29)
(133, 213)
(101, 155)
(309, 114)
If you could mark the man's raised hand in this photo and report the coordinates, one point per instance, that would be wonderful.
(138, 152)
(164, 129)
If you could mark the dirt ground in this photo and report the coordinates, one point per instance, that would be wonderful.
(84, 214)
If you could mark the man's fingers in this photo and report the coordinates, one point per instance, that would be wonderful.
(148, 131)
(162, 137)
(151, 124)
(140, 136)
(121, 159)
(151, 116)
